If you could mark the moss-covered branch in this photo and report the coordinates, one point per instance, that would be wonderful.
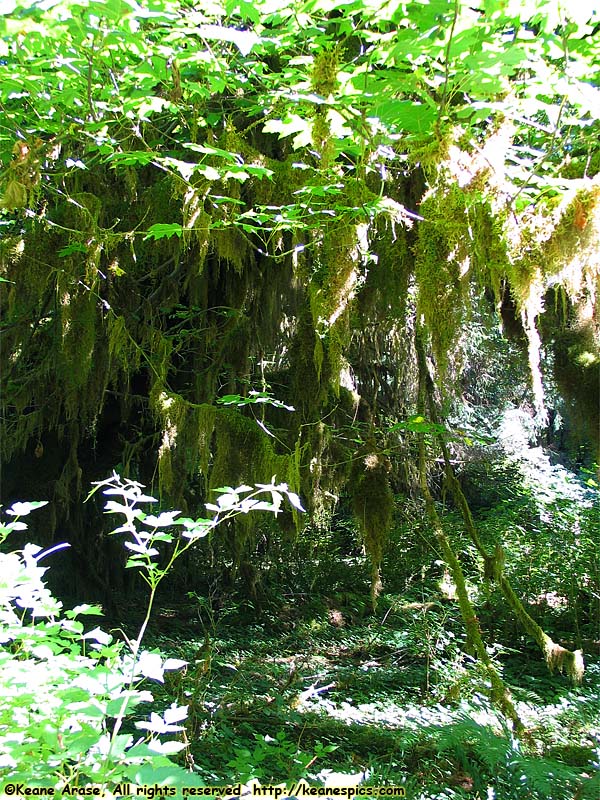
(557, 657)
(499, 693)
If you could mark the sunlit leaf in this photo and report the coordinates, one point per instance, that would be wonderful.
(22, 509)
(162, 230)
(243, 40)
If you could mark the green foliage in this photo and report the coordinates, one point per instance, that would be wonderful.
(266, 167)
(315, 695)
(160, 231)
(274, 759)
(394, 693)
(204, 209)
(68, 691)
(538, 512)
(486, 759)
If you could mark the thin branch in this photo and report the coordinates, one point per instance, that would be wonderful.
(444, 97)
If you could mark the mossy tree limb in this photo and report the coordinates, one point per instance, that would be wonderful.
(499, 693)
(557, 657)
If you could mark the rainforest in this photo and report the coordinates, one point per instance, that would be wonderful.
(300, 384)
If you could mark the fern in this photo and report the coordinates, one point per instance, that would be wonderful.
(543, 778)
(494, 761)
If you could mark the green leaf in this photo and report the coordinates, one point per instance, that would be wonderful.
(246, 9)
(22, 509)
(210, 173)
(293, 124)
(130, 159)
(406, 115)
(164, 230)
(243, 40)
(76, 247)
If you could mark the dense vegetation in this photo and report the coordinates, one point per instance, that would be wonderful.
(344, 256)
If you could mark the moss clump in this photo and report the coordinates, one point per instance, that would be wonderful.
(373, 505)
(196, 227)
(586, 165)
(488, 247)
(430, 152)
(185, 448)
(441, 264)
(221, 445)
(555, 245)
(162, 202)
(230, 245)
(324, 82)
(577, 375)
(244, 455)
(341, 265)
(385, 289)
(79, 316)
(123, 354)
(82, 211)
(311, 372)
(337, 275)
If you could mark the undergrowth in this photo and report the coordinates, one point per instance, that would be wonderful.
(388, 699)
(308, 685)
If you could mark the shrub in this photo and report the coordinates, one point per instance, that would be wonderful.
(68, 691)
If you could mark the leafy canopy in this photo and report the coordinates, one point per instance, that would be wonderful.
(134, 85)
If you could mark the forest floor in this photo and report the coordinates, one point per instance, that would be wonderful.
(317, 690)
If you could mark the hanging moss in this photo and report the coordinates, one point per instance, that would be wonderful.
(222, 445)
(373, 505)
(384, 293)
(441, 254)
(555, 245)
(244, 455)
(82, 211)
(342, 265)
(79, 316)
(573, 243)
(230, 246)
(324, 82)
(122, 351)
(488, 247)
(196, 226)
(577, 374)
(336, 277)
(309, 378)
(185, 448)
(162, 202)
(466, 229)
(186, 319)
